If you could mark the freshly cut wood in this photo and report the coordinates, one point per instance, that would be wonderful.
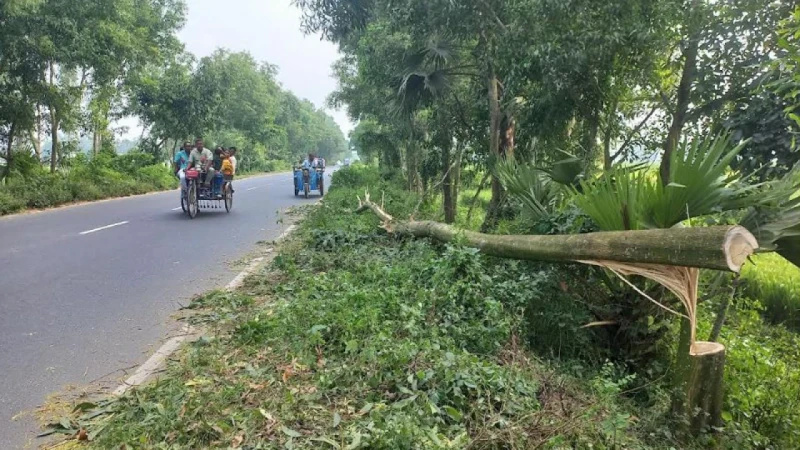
(720, 247)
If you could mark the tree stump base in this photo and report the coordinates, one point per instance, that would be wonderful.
(704, 386)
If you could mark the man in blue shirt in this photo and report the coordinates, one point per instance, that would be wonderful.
(180, 163)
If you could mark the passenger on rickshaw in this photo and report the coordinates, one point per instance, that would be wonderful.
(202, 159)
(232, 158)
(181, 162)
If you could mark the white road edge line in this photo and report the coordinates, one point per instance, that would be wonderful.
(103, 228)
(252, 188)
(175, 209)
(153, 363)
(237, 282)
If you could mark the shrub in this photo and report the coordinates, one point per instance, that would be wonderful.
(156, 177)
(9, 203)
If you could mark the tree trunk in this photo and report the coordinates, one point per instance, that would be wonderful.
(608, 135)
(592, 125)
(508, 128)
(54, 131)
(36, 139)
(457, 175)
(10, 150)
(54, 123)
(447, 186)
(684, 95)
(412, 166)
(718, 247)
(96, 141)
(702, 387)
(495, 118)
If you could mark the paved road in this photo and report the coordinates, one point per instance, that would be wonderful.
(78, 301)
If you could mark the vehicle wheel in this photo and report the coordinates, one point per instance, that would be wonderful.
(228, 197)
(306, 189)
(192, 206)
(183, 201)
(321, 187)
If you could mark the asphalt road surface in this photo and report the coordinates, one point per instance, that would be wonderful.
(87, 291)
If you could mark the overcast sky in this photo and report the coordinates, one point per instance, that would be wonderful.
(270, 31)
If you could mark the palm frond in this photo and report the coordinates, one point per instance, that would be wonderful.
(699, 184)
(774, 217)
(529, 185)
(617, 200)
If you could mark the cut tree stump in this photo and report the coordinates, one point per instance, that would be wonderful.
(702, 387)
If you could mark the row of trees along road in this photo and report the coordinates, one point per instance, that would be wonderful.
(586, 104)
(70, 68)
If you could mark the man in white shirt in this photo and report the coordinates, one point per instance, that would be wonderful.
(201, 159)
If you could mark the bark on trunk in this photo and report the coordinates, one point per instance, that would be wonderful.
(608, 135)
(684, 96)
(447, 187)
(412, 166)
(96, 141)
(54, 132)
(9, 150)
(495, 119)
(719, 247)
(703, 386)
(590, 134)
(54, 124)
(36, 139)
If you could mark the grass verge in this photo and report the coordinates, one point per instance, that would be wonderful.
(355, 339)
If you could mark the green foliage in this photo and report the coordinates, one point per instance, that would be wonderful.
(762, 378)
(101, 177)
(775, 283)
(360, 340)
(633, 199)
(531, 186)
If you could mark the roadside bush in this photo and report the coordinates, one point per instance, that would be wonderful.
(42, 191)
(156, 177)
(9, 203)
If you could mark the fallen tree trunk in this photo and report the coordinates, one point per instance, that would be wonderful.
(721, 247)
(671, 257)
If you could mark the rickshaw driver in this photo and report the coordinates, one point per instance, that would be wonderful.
(310, 163)
(202, 158)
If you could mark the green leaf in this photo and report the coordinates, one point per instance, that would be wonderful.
(727, 416)
(367, 408)
(326, 440)
(356, 442)
(337, 419)
(453, 413)
(85, 406)
(290, 432)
